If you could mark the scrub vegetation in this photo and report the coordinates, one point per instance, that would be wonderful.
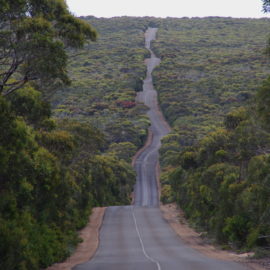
(214, 90)
(106, 76)
(70, 124)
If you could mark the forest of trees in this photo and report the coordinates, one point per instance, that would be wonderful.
(53, 170)
(207, 83)
(216, 159)
(70, 124)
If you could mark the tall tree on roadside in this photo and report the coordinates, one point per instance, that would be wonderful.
(33, 38)
(266, 5)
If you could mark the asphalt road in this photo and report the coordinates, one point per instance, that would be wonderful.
(137, 237)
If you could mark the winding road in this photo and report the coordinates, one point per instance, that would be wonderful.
(136, 237)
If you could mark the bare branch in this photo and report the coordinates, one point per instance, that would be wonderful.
(12, 89)
(261, 151)
(15, 64)
(263, 236)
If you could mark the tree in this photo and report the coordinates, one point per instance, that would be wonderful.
(234, 118)
(27, 103)
(123, 150)
(33, 39)
(263, 101)
(266, 5)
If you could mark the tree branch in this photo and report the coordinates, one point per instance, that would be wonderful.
(12, 89)
(11, 70)
(263, 236)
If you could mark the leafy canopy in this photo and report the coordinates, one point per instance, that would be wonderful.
(266, 5)
(33, 37)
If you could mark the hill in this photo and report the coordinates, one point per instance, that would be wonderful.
(214, 91)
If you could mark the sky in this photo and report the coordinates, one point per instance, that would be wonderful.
(168, 8)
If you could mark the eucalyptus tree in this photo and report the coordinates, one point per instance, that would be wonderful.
(266, 5)
(34, 36)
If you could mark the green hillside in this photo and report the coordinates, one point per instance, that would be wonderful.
(66, 148)
(207, 84)
(105, 77)
(209, 66)
(216, 159)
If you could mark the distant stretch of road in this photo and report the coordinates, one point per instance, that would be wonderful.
(136, 237)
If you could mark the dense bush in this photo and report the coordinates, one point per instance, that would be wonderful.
(216, 160)
(50, 180)
(105, 78)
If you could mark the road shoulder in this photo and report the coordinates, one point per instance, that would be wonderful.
(90, 241)
(175, 217)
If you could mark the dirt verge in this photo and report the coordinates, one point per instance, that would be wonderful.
(87, 249)
(175, 217)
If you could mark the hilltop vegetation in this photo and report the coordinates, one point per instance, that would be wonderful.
(209, 66)
(216, 160)
(106, 76)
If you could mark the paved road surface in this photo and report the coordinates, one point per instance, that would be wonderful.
(146, 192)
(137, 237)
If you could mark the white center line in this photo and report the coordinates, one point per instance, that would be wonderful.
(141, 241)
(146, 198)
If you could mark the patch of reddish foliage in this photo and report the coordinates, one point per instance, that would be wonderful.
(126, 104)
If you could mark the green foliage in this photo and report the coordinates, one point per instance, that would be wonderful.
(49, 181)
(54, 171)
(106, 76)
(123, 150)
(236, 228)
(27, 102)
(166, 194)
(217, 172)
(58, 142)
(112, 180)
(263, 102)
(234, 118)
(222, 183)
(34, 35)
(30, 184)
(188, 160)
(209, 66)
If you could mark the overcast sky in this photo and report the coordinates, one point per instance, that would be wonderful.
(168, 8)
